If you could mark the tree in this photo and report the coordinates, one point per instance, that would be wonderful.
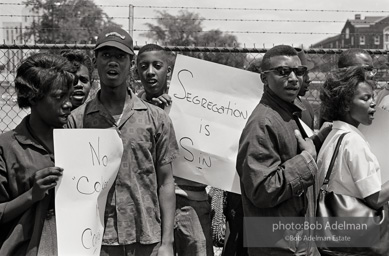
(66, 21)
(220, 39)
(185, 29)
(180, 30)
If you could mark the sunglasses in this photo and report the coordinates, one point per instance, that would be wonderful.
(286, 71)
(371, 70)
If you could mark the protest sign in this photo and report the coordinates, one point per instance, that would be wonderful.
(377, 134)
(211, 105)
(90, 159)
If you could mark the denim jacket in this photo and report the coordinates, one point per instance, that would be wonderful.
(274, 173)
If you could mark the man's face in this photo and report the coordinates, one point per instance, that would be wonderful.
(365, 60)
(153, 71)
(113, 66)
(305, 85)
(286, 87)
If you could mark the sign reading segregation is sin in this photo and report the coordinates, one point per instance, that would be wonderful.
(211, 105)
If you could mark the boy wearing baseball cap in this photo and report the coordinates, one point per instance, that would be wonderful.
(140, 207)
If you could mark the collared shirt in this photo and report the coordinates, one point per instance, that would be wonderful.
(190, 189)
(20, 157)
(356, 171)
(273, 172)
(132, 211)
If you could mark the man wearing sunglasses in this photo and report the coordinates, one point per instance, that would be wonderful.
(275, 164)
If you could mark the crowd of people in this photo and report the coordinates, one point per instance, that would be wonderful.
(148, 210)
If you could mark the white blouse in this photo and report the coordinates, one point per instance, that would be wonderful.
(356, 171)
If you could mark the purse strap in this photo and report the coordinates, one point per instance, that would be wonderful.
(327, 178)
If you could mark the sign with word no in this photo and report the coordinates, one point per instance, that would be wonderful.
(90, 159)
(211, 105)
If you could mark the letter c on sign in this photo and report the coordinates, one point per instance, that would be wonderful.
(86, 238)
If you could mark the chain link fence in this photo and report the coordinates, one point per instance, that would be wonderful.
(244, 58)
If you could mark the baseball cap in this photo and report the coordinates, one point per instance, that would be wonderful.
(115, 37)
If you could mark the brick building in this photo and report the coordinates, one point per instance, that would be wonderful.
(372, 32)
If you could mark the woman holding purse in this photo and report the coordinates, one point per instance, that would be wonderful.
(348, 100)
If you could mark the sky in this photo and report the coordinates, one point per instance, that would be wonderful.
(317, 19)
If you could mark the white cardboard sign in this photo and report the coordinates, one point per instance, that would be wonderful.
(211, 105)
(377, 134)
(90, 159)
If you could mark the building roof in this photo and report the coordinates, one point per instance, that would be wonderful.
(327, 40)
(361, 26)
(367, 21)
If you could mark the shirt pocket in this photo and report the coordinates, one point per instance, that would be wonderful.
(142, 156)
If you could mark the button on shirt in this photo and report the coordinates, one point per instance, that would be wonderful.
(356, 171)
(132, 211)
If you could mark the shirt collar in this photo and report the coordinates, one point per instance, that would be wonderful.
(299, 103)
(340, 125)
(132, 102)
(23, 136)
(270, 98)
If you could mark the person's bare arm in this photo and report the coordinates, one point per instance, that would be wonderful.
(44, 180)
(167, 202)
(378, 199)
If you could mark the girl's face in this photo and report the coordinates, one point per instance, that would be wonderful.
(53, 109)
(82, 88)
(362, 107)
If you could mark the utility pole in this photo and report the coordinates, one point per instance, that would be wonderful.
(131, 20)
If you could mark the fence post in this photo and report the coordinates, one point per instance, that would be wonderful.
(131, 20)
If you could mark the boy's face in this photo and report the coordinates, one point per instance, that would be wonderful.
(153, 72)
(54, 108)
(113, 66)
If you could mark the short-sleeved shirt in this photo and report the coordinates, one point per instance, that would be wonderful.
(356, 171)
(20, 157)
(132, 211)
(190, 189)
